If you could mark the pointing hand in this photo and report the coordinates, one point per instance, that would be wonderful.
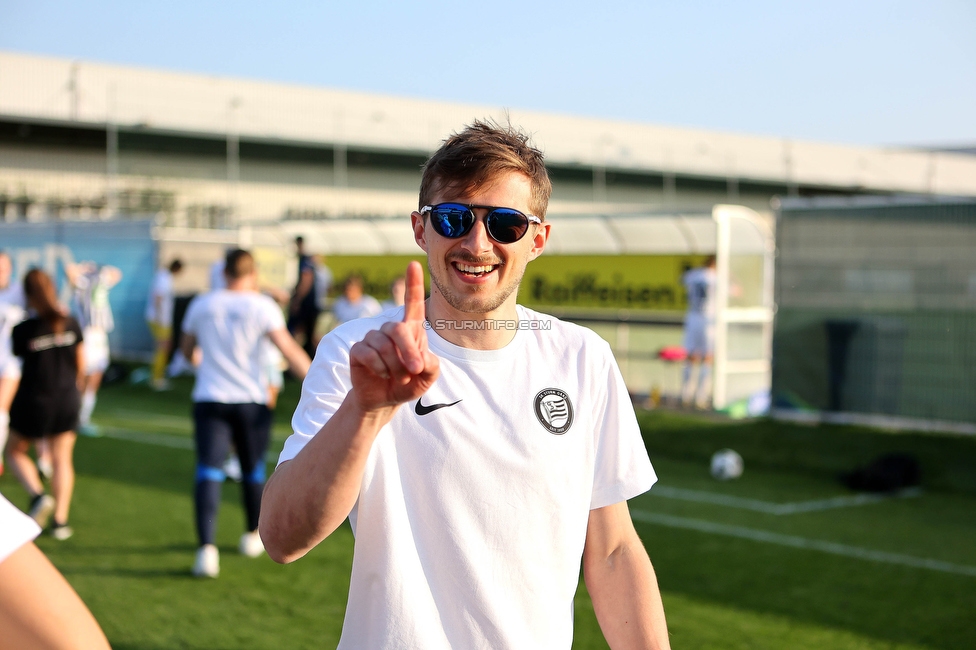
(392, 365)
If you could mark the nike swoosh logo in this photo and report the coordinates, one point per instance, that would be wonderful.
(424, 410)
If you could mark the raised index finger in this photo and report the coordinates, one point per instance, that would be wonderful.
(413, 297)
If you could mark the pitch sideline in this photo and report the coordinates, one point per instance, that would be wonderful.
(768, 537)
(779, 509)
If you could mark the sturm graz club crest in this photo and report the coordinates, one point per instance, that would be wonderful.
(554, 410)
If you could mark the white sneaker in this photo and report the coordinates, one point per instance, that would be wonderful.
(251, 544)
(207, 563)
(232, 468)
(41, 509)
(62, 532)
(45, 468)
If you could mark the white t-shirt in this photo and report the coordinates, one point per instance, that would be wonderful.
(217, 278)
(13, 294)
(323, 284)
(230, 328)
(12, 311)
(346, 311)
(16, 528)
(162, 288)
(10, 315)
(472, 513)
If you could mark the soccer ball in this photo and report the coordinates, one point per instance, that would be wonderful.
(726, 465)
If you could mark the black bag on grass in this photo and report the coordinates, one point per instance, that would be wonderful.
(886, 473)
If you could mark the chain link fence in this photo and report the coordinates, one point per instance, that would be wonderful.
(877, 307)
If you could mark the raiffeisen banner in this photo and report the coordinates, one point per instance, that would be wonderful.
(645, 283)
(633, 282)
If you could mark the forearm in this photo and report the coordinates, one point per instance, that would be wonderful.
(296, 357)
(187, 343)
(627, 601)
(80, 361)
(308, 497)
(298, 361)
(39, 609)
(622, 583)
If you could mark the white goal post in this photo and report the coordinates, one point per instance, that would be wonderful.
(744, 307)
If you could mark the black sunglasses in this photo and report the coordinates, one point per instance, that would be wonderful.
(504, 225)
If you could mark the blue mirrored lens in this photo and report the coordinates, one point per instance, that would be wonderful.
(451, 220)
(506, 225)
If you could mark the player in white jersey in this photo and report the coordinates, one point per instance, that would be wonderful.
(12, 306)
(699, 334)
(159, 318)
(481, 462)
(230, 396)
(271, 359)
(90, 283)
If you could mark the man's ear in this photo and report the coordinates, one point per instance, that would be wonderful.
(539, 239)
(419, 225)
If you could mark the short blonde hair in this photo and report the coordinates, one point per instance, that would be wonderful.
(477, 155)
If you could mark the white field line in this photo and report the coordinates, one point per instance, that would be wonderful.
(160, 439)
(176, 422)
(768, 537)
(183, 422)
(771, 508)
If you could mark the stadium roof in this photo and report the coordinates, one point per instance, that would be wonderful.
(61, 90)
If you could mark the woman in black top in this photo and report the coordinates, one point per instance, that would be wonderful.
(48, 399)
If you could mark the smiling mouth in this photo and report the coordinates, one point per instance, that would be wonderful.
(474, 270)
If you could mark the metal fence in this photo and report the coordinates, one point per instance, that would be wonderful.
(877, 308)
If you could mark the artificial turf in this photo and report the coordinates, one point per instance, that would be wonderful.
(134, 543)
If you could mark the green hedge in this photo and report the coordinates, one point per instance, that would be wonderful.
(948, 461)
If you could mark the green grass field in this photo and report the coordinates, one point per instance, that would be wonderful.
(763, 562)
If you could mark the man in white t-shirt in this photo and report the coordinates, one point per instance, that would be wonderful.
(230, 396)
(699, 333)
(481, 451)
(159, 317)
(271, 356)
(354, 302)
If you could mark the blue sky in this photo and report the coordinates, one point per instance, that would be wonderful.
(860, 72)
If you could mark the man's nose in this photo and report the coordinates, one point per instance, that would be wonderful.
(477, 240)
